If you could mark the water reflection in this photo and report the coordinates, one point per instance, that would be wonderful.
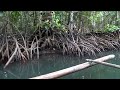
(53, 62)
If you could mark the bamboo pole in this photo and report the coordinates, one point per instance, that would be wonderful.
(70, 70)
(105, 63)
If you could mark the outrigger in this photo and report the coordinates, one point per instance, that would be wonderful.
(79, 67)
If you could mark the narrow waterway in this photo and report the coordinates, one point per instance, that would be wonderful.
(53, 62)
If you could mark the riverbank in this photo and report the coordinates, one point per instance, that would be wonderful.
(56, 41)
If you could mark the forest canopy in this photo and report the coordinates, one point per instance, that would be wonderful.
(84, 21)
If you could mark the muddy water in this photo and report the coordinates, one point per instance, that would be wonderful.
(53, 62)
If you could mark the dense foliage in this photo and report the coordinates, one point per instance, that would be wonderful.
(25, 33)
(84, 21)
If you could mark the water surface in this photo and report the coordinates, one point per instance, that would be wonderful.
(53, 62)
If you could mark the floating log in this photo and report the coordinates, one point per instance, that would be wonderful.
(105, 63)
(70, 70)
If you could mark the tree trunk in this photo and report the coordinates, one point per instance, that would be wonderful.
(70, 26)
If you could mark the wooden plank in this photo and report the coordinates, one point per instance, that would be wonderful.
(72, 69)
(105, 63)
